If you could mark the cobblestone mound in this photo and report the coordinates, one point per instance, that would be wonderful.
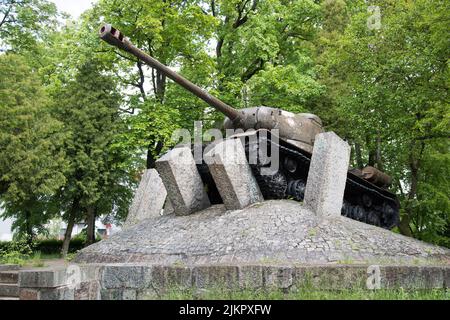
(273, 232)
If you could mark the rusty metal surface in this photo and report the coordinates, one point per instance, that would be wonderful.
(376, 177)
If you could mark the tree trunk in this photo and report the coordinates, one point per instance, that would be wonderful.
(90, 221)
(159, 81)
(29, 228)
(372, 152)
(404, 227)
(152, 159)
(378, 159)
(68, 235)
(414, 163)
(358, 155)
(160, 86)
(70, 224)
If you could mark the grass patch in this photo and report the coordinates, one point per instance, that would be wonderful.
(38, 259)
(35, 259)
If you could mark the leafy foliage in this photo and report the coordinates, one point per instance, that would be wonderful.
(32, 161)
(391, 99)
(24, 22)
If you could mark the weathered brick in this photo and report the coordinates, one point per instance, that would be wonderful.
(28, 294)
(210, 276)
(42, 278)
(251, 277)
(125, 276)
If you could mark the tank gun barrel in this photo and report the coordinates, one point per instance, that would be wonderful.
(115, 38)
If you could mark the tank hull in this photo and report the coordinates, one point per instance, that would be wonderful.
(363, 201)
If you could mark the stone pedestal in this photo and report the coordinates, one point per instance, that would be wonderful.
(232, 174)
(148, 200)
(327, 175)
(182, 180)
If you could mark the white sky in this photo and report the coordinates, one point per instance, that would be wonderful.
(73, 7)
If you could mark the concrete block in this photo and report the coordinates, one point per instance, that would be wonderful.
(43, 278)
(232, 174)
(111, 294)
(129, 294)
(129, 277)
(167, 277)
(148, 200)
(411, 277)
(278, 277)
(9, 290)
(182, 180)
(9, 267)
(89, 272)
(82, 291)
(327, 175)
(9, 277)
(88, 291)
(334, 277)
(28, 294)
(251, 277)
(60, 293)
(215, 276)
(446, 276)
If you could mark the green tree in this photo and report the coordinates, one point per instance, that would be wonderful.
(32, 160)
(174, 32)
(390, 95)
(24, 22)
(264, 53)
(97, 183)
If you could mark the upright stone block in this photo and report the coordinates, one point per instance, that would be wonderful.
(148, 200)
(183, 182)
(232, 174)
(327, 175)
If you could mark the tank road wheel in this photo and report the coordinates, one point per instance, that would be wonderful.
(296, 189)
(373, 218)
(346, 209)
(272, 186)
(366, 200)
(290, 164)
(389, 217)
(358, 213)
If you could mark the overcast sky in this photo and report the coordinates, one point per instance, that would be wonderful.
(73, 7)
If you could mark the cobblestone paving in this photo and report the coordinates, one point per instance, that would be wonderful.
(272, 232)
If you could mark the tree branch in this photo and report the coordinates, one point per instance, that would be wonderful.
(250, 72)
(443, 136)
(8, 11)
(130, 111)
(125, 57)
(213, 8)
(141, 80)
(243, 19)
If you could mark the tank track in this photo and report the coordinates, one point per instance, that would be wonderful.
(363, 201)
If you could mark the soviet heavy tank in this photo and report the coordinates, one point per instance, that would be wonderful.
(366, 197)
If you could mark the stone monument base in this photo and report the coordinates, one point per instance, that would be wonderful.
(278, 245)
(280, 232)
(142, 281)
